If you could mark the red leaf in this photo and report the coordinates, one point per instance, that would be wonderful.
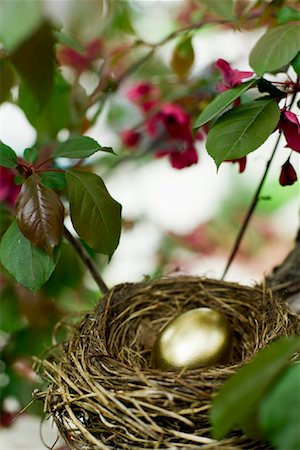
(40, 214)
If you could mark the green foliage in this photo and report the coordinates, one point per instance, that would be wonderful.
(296, 63)
(80, 147)
(18, 23)
(239, 397)
(276, 48)
(54, 180)
(221, 102)
(68, 273)
(279, 415)
(7, 79)
(28, 264)
(8, 157)
(31, 155)
(96, 216)
(224, 8)
(242, 130)
(287, 14)
(57, 114)
(11, 318)
(39, 74)
(40, 214)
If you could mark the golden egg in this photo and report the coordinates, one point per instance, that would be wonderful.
(197, 338)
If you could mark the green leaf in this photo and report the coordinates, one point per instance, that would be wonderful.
(81, 147)
(34, 60)
(242, 130)
(296, 63)
(54, 180)
(10, 318)
(96, 216)
(67, 274)
(67, 40)
(286, 14)
(18, 21)
(31, 155)
(240, 395)
(276, 48)
(7, 79)
(40, 214)
(279, 415)
(224, 8)
(28, 264)
(8, 157)
(183, 57)
(221, 102)
(57, 113)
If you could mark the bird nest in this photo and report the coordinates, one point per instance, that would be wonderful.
(101, 392)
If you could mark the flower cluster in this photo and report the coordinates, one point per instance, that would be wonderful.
(169, 127)
(288, 123)
(290, 126)
(230, 79)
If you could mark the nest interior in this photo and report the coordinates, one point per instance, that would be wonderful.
(101, 391)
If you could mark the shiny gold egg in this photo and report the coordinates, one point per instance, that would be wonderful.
(197, 338)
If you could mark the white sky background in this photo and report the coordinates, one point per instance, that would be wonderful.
(171, 200)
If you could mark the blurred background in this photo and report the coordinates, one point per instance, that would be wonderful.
(174, 221)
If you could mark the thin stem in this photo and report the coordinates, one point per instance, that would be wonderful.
(86, 259)
(44, 162)
(97, 95)
(250, 211)
(255, 200)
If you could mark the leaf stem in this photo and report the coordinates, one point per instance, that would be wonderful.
(250, 211)
(86, 259)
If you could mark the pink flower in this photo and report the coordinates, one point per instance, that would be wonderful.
(290, 126)
(171, 119)
(288, 175)
(172, 127)
(231, 77)
(67, 56)
(9, 191)
(130, 138)
(144, 94)
(180, 157)
(241, 161)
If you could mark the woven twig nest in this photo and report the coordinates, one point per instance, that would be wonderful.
(102, 393)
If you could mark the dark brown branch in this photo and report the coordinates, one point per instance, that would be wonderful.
(86, 259)
(250, 211)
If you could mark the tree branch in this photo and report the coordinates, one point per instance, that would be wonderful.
(250, 211)
(86, 259)
(285, 278)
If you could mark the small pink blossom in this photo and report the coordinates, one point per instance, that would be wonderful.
(290, 126)
(180, 157)
(130, 138)
(231, 77)
(9, 191)
(144, 94)
(288, 175)
(171, 119)
(172, 126)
